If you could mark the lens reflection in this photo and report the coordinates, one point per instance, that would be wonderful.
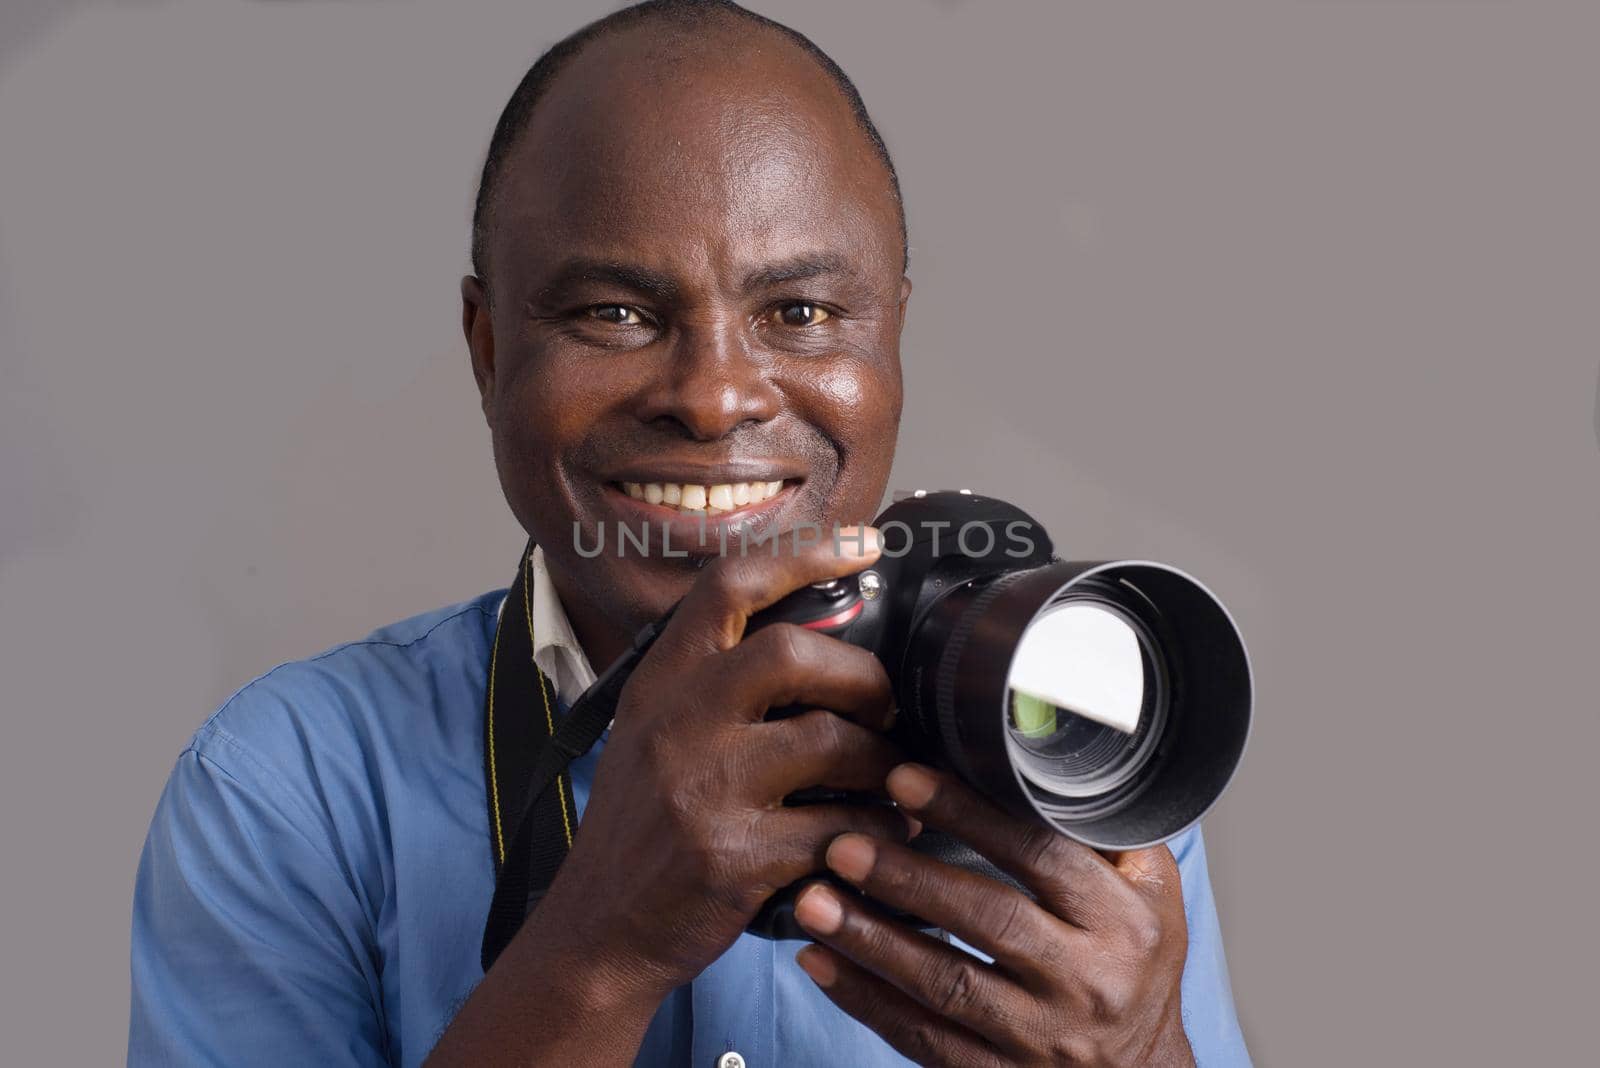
(1077, 703)
(1081, 658)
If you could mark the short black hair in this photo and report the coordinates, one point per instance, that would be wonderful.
(679, 14)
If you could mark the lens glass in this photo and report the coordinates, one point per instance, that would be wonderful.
(1083, 691)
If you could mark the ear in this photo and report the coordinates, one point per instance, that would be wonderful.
(477, 326)
(905, 295)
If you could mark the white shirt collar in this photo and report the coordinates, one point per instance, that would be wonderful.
(555, 646)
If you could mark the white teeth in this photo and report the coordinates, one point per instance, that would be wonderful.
(713, 500)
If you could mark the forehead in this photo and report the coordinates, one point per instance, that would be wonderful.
(714, 152)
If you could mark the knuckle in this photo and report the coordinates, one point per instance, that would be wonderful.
(920, 1040)
(1111, 1000)
(656, 750)
(1011, 921)
(824, 730)
(781, 644)
(678, 809)
(875, 937)
(957, 990)
(1145, 930)
(1039, 848)
(724, 585)
(1070, 1048)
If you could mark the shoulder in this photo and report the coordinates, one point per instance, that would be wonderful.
(313, 758)
(331, 742)
(358, 693)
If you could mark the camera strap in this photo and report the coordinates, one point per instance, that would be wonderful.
(532, 812)
(529, 740)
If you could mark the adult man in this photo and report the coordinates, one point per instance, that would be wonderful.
(688, 294)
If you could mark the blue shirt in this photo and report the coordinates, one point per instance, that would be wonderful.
(315, 882)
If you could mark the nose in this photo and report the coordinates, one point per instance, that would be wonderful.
(713, 382)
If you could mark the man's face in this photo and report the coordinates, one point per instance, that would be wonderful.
(696, 284)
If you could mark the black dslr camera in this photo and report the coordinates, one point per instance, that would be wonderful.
(1110, 700)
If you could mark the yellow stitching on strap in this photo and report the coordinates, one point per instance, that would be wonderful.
(549, 717)
(494, 782)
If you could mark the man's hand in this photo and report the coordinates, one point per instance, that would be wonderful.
(1088, 975)
(685, 834)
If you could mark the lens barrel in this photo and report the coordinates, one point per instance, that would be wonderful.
(1105, 788)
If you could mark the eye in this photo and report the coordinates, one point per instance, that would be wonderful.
(801, 313)
(616, 314)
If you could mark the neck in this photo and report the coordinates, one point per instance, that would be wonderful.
(597, 631)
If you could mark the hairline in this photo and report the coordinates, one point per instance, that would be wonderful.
(683, 15)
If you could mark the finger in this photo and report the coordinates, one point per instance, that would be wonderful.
(732, 588)
(816, 748)
(954, 984)
(913, 1029)
(1071, 879)
(786, 664)
(799, 836)
(994, 918)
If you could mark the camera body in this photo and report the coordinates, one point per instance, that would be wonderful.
(933, 543)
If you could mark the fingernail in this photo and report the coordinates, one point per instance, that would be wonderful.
(818, 910)
(913, 825)
(851, 855)
(912, 785)
(818, 964)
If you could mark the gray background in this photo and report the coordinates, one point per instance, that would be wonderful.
(1320, 279)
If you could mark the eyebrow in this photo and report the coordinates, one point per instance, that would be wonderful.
(641, 279)
(797, 269)
(627, 275)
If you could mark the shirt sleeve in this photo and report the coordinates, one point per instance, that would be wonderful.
(250, 943)
(1208, 1014)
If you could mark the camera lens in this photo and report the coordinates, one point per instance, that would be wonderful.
(1110, 699)
(1086, 698)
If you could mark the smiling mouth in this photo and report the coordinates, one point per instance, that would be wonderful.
(710, 500)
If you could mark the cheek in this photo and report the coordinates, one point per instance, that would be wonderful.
(526, 426)
(845, 391)
(856, 404)
(539, 421)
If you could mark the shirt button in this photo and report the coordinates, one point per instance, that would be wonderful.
(730, 1059)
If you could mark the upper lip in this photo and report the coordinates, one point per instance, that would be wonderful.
(708, 475)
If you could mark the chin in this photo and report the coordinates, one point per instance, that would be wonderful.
(634, 591)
